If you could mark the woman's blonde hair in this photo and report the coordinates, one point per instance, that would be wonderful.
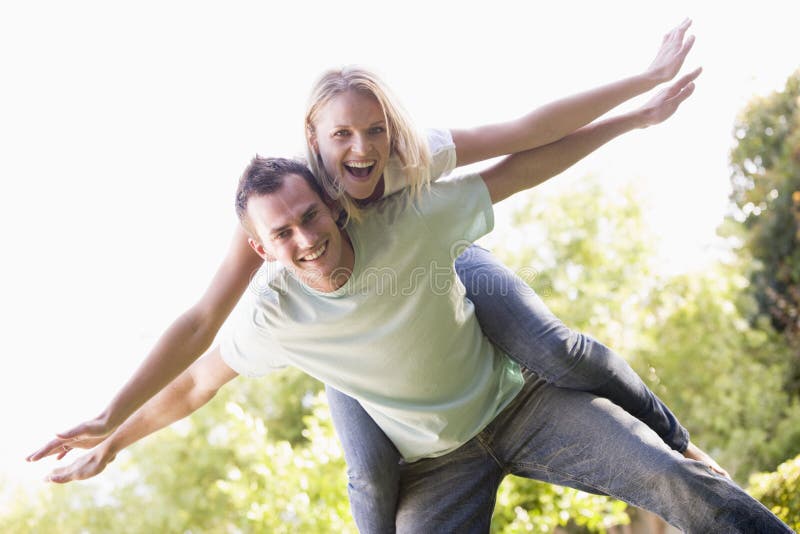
(405, 142)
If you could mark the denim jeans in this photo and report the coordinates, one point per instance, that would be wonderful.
(574, 439)
(515, 319)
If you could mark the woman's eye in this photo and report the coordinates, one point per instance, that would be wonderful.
(377, 130)
(341, 133)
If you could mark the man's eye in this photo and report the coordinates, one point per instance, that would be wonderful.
(282, 235)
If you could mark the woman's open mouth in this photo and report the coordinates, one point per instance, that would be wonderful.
(359, 170)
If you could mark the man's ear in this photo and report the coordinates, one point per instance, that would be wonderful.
(259, 249)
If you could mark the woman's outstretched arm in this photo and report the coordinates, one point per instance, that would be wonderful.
(191, 390)
(557, 119)
(188, 337)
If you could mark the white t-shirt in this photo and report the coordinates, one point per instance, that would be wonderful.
(443, 160)
(399, 336)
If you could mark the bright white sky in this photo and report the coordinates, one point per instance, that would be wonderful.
(124, 128)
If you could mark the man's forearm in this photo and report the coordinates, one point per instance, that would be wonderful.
(178, 348)
(184, 395)
(177, 400)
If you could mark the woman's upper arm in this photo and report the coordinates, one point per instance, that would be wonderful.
(228, 283)
(484, 142)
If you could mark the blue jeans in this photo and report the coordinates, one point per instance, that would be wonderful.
(515, 319)
(575, 439)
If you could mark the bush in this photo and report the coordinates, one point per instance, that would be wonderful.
(780, 491)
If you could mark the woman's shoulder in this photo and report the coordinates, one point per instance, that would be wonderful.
(443, 160)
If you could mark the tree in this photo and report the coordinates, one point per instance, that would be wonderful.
(780, 491)
(766, 193)
(262, 456)
(589, 255)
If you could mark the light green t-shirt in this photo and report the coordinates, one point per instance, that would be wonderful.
(400, 336)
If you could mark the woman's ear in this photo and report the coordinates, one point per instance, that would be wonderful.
(312, 141)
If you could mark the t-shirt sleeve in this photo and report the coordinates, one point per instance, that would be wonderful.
(246, 344)
(443, 152)
(458, 209)
(443, 160)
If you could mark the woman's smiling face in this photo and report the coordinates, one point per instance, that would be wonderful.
(352, 138)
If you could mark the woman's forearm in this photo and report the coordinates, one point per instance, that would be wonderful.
(562, 117)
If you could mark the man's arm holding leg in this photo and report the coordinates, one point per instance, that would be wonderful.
(191, 390)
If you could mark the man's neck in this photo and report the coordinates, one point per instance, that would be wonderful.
(341, 274)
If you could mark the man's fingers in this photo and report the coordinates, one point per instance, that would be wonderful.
(60, 475)
(84, 467)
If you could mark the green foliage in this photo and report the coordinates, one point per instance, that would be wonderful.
(780, 491)
(221, 470)
(528, 505)
(585, 252)
(724, 378)
(689, 337)
(766, 191)
(262, 456)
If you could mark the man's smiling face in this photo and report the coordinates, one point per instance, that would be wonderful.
(297, 229)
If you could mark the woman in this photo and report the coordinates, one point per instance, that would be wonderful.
(362, 147)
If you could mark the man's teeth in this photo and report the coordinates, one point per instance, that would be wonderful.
(360, 164)
(316, 254)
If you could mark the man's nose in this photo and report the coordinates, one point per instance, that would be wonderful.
(306, 238)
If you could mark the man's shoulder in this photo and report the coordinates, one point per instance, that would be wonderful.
(269, 281)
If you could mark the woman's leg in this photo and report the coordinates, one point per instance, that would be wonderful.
(373, 469)
(515, 319)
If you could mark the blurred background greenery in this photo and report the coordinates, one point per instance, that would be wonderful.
(721, 347)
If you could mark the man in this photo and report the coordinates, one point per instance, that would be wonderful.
(460, 412)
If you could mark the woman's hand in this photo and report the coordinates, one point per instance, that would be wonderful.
(673, 51)
(83, 436)
(665, 102)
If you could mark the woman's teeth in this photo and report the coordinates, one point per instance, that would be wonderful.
(360, 169)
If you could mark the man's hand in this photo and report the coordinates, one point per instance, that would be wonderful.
(86, 466)
(665, 102)
(693, 452)
(83, 436)
(673, 51)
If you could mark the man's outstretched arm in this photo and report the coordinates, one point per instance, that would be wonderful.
(187, 393)
(527, 169)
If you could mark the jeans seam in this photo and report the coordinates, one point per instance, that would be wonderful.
(484, 443)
